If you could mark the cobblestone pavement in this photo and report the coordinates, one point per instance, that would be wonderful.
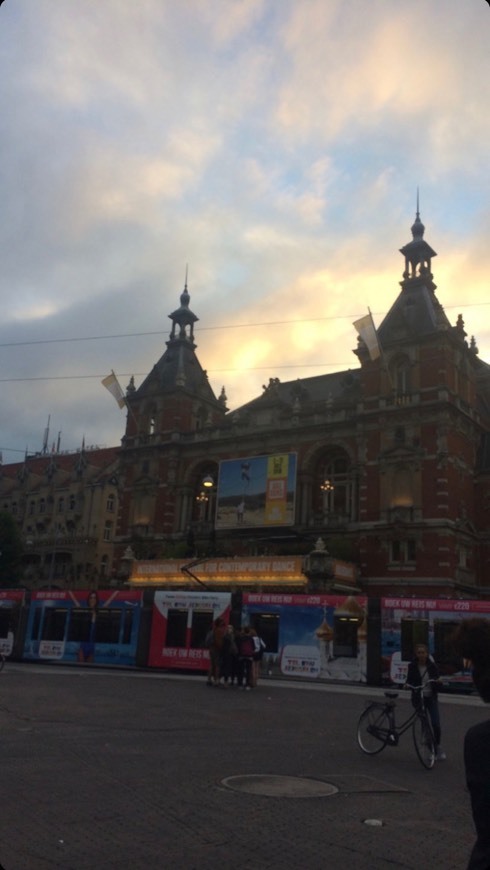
(120, 769)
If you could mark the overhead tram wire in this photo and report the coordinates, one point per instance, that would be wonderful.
(120, 335)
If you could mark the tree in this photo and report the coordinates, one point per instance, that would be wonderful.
(11, 550)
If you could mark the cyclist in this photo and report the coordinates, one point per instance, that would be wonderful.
(422, 671)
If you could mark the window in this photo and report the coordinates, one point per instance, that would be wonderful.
(345, 636)
(202, 622)
(32, 507)
(107, 531)
(335, 486)
(111, 500)
(42, 505)
(14, 508)
(54, 623)
(61, 504)
(403, 551)
(444, 653)
(176, 628)
(413, 631)
(267, 627)
(72, 502)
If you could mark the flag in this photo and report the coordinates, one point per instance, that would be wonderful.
(112, 384)
(367, 331)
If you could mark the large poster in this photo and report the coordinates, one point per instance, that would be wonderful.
(256, 491)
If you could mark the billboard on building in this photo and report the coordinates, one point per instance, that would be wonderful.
(256, 491)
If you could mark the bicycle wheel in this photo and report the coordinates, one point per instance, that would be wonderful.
(424, 741)
(373, 729)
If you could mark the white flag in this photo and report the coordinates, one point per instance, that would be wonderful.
(112, 384)
(367, 331)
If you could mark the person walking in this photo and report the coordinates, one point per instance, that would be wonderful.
(472, 642)
(423, 672)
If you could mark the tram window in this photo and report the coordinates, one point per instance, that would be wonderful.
(79, 627)
(202, 622)
(413, 631)
(127, 626)
(4, 621)
(108, 625)
(345, 636)
(176, 628)
(444, 653)
(267, 627)
(54, 623)
(36, 622)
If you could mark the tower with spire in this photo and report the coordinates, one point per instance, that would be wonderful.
(422, 426)
(174, 406)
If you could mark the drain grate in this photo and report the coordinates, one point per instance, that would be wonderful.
(279, 786)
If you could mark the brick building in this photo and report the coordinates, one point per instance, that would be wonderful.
(391, 463)
(392, 457)
(66, 506)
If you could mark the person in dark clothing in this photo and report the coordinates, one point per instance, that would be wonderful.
(472, 642)
(422, 671)
(246, 649)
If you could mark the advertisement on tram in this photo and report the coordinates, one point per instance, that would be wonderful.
(180, 623)
(311, 637)
(408, 621)
(11, 602)
(84, 626)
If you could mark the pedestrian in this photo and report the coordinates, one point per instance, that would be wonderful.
(472, 642)
(229, 657)
(214, 642)
(246, 649)
(424, 673)
(259, 647)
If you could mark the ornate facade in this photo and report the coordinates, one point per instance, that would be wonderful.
(66, 506)
(393, 461)
(392, 456)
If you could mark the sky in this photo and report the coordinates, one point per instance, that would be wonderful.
(272, 147)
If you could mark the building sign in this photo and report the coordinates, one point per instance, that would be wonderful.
(256, 491)
(259, 571)
(274, 570)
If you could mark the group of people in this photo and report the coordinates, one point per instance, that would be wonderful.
(471, 642)
(234, 655)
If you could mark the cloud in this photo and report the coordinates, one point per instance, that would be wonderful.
(275, 148)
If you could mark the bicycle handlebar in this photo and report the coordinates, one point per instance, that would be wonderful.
(422, 686)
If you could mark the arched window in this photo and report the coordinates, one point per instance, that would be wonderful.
(335, 486)
(401, 379)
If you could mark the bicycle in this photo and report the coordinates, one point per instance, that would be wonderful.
(377, 727)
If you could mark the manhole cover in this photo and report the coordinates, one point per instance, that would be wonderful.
(280, 786)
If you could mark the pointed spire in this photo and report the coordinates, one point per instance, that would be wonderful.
(418, 228)
(183, 317)
(418, 255)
